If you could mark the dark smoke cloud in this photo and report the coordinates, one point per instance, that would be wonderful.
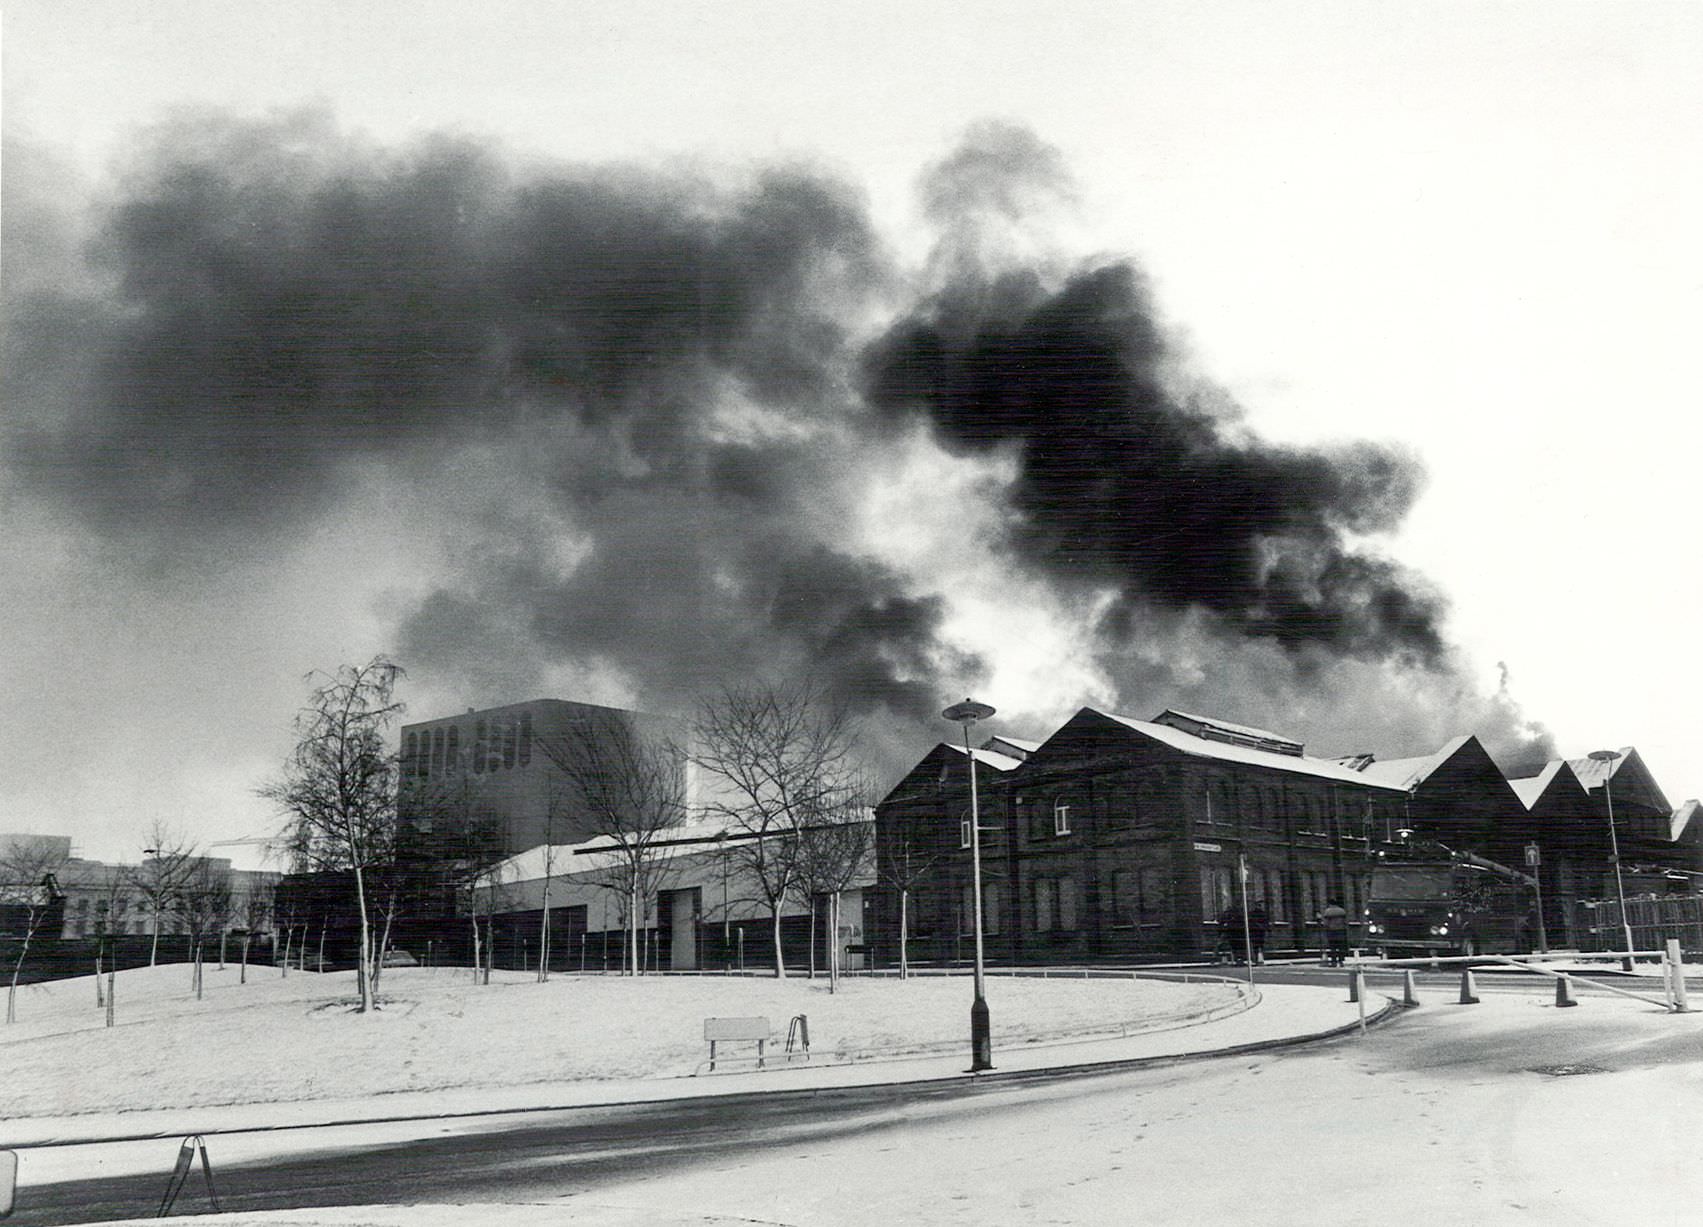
(1125, 481)
(672, 380)
(284, 300)
(662, 357)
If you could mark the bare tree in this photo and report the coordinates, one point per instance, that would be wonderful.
(631, 790)
(783, 761)
(204, 904)
(29, 886)
(339, 787)
(113, 886)
(171, 859)
(256, 915)
(905, 861)
(828, 858)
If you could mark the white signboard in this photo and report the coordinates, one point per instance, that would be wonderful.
(1204, 847)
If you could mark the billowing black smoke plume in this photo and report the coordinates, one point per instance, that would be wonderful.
(1124, 480)
(652, 402)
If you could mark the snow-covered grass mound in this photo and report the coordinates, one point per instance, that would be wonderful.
(298, 1038)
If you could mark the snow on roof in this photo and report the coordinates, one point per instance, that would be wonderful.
(1530, 789)
(1022, 743)
(1228, 730)
(1682, 818)
(1593, 771)
(1247, 730)
(1406, 773)
(1230, 752)
(989, 758)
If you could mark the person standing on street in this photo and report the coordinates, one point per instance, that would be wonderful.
(1334, 921)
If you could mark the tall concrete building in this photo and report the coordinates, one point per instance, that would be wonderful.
(501, 769)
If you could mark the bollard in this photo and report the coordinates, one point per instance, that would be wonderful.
(1469, 988)
(1354, 985)
(1409, 990)
(1676, 973)
(1564, 992)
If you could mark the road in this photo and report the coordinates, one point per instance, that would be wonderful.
(1448, 1088)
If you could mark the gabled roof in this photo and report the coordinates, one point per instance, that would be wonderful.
(1629, 780)
(1530, 790)
(1409, 773)
(1202, 747)
(1593, 771)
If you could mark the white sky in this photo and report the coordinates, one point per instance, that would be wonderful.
(1472, 230)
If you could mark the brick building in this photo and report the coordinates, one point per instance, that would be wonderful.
(1119, 839)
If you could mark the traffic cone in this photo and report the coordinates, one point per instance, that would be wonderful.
(1469, 989)
(1564, 992)
(1409, 992)
(1354, 985)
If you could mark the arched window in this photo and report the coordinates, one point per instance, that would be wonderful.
(452, 748)
(525, 738)
(511, 741)
(411, 755)
(480, 746)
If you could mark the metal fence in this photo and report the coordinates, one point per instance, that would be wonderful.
(1655, 920)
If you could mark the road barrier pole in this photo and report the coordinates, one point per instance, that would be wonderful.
(1676, 975)
(1409, 991)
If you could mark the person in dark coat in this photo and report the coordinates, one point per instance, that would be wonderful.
(1230, 935)
(1334, 921)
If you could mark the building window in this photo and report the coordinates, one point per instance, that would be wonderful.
(1215, 891)
(1037, 818)
(525, 738)
(993, 908)
(1220, 802)
(478, 747)
(1275, 911)
(452, 748)
(964, 831)
(1061, 818)
(1069, 897)
(1046, 899)
(1126, 899)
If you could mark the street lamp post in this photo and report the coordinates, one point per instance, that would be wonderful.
(981, 1028)
(1608, 756)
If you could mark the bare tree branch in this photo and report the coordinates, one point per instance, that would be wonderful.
(339, 787)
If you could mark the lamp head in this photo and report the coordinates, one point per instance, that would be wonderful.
(967, 712)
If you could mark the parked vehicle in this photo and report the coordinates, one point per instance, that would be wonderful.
(1448, 903)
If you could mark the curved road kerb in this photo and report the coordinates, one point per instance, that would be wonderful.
(1020, 1062)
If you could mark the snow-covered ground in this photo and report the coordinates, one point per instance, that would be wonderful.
(1441, 1117)
(285, 1039)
